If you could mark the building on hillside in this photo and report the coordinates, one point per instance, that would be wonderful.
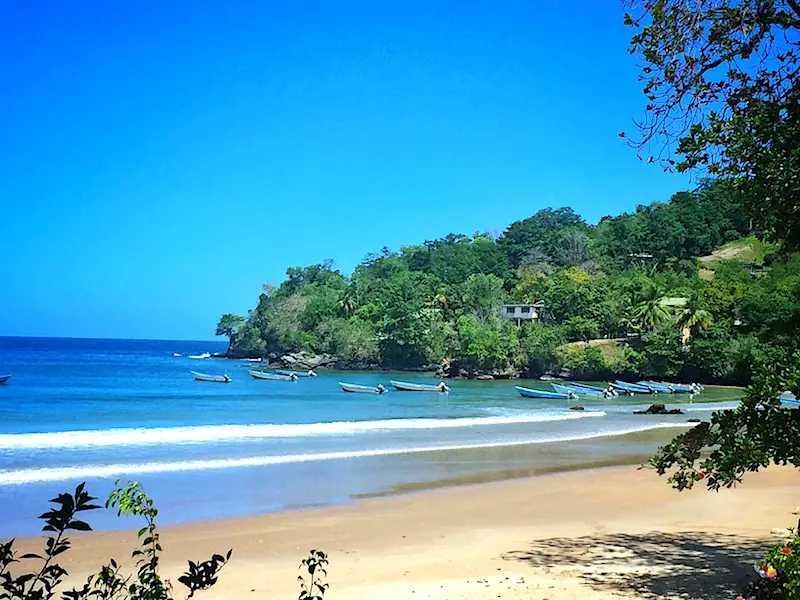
(522, 312)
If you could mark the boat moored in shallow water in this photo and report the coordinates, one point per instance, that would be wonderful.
(656, 386)
(213, 378)
(309, 373)
(531, 393)
(634, 388)
(403, 386)
(271, 376)
(354, 388)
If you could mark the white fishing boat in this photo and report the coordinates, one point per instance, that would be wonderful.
(212, 378)
(362, 389)
(271, 376)
(419, 387)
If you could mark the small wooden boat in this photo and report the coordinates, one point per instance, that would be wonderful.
(362, 389)
(680, 388)
(632, 387)
(529, 393)
(4, 378)
(662, 388)
(271, 376)
(566, 390)
(213, 378)
(402, 386)
(592, 390)
(308, 373)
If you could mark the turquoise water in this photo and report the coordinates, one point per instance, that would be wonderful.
(99, 410)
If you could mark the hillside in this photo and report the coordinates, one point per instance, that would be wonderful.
(438, 304)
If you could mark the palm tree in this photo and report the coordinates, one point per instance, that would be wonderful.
(348, 301)
(692, 317)
(648, 311)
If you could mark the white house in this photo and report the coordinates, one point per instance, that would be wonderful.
(522, 312)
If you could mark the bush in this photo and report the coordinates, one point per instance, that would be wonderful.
(109, 584)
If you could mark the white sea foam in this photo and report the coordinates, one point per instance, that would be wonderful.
(26, 476)
(217, 433)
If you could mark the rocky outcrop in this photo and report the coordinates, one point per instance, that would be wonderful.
(576, 408)
(658, 409)
(303, 361)
(693, 420)
(485, 377)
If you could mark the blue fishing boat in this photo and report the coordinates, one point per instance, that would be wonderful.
(632, 387)
(362, 389)
(658, 387)
(403, 386)
(680, 388)
(593, 390)
(4, 378)
(566, 389)
(529, 393)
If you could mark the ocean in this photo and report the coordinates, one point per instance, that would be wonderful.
(100, 410)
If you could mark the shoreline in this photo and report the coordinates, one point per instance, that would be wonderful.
(542, 536)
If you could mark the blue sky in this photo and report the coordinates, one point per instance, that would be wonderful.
(159, 161)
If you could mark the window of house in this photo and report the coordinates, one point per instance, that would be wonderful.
(511, 310)
(526, 309)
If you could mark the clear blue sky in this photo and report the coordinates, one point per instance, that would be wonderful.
(159, 161)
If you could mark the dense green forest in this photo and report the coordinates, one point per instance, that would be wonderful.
(647, 283)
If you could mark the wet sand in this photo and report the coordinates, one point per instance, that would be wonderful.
(613, 532)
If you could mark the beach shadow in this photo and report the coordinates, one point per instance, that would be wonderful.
(699, 566)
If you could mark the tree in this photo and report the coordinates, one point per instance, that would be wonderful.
(229, 325)
(648, 311)
(581, 329)
(541, 231)
(572, 248)
(748, 438)
(721, 81)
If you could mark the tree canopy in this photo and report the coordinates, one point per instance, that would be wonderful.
(721, 82)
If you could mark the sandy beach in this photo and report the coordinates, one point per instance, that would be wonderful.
(615, 532)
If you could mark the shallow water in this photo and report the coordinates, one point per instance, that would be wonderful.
(98, 410)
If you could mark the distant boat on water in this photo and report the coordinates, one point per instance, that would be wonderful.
(663, 388)
(531, 393)
(271, 376)
(403, 386)
(212, 378)
(4, 378)
(634, 388)
(203, 355)
(176, 354)
(309, 373)
(362, 389)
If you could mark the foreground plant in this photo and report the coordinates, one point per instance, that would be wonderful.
(314, 587)
(129, 499)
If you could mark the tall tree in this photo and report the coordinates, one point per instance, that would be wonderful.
(723, 93)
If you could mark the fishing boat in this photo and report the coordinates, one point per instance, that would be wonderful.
(4, 378)
(203, 355)
(529, 393)
(593, 390)
(271, 376)
(308, 373)
(419, 387)
(662, 388)
(789, 399)
(212, 378)
(176, 354)
(361, 389)
(251, 359)
(680, 388)
(632, 387)
(561, 388)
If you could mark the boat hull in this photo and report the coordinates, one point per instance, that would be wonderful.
(4, 378)
(565, 389)
(296, 373)
(586, 389)
(354, 388)
(529, 393)
(658, 387)
(403, 386)
(269, 376)
(632, 387)
(211, 378)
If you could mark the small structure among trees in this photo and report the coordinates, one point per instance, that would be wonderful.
(522, 312)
